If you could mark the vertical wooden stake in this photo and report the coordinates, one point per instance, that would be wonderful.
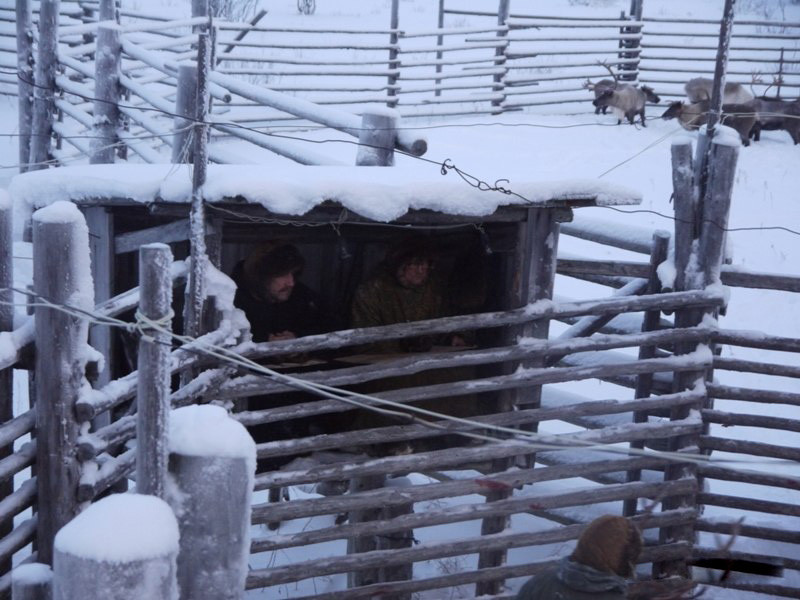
(153, 389)
(536, 269)
(644, 383)
(197, 220)
(684, 201)
(393, 53)
(377, 139)
(6, 324)
(500, 56)
(439, 53)
(45, 90)
(107, 92)
(25, 80)
(32, 581)
(185, 100)
(61, 275)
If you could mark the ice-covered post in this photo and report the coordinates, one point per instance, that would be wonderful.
(123, 547)
(377, 138)
(212, 464)
(185, 99)
(394, 63)
(500, 55)
(153, 389)
(25, 80)
(61, 276)
(107, 93)
(33, 581)
(6, 324)
(45, 90)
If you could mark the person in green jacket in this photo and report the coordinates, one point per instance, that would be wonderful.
(598, 568)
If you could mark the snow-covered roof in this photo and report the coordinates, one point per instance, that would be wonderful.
(377, 193)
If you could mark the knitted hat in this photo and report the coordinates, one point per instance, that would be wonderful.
(609, 544)
(408, 249)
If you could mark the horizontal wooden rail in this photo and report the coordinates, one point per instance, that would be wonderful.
(469, 512)
(22, 458)
(751, 366)
(22, 535)
(752, 395)
(19, 500)
(428, 551)
(746, 475)
(750, 448)
(728, 418)
(751, 531)
(111, 470)
(12, 430)
(756, 339)
(751, 504)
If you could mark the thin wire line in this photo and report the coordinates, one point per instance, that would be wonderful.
(531, 439)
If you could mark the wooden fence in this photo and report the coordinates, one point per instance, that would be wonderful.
(504, 60)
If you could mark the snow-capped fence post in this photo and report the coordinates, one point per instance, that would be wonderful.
(498, 84)
(61, 276)
(185, 106)
(45, 90)
(122, 547)
(33, 581)
(107, 94)
(703, 271)
(377, 139)
(394, 63)
(683, 201)
(650, 322)
(212, 464)
(153, 387)
(6, 324)
(25, 63)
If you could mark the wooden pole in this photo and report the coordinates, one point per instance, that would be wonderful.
(137, 561)
(500, 56)
(377, 139)
(394, 23)
(715, 107)
(153, 389)
(185, 106)
(439, 53)
(196, 288)
(650, 322)
(6, 324)
(25, 76)
(45, 90)
(60, 275)
(535, 271)
(107, 94)
(212, 462)
(708, 261)
(32, 581)
(686, 229)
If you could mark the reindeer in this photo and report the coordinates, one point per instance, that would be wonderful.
(699, 89)
(692, 116)
(776, 114)
(624, 99)
(598, 89)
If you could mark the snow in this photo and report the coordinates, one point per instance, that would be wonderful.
(32, 574)
(381, 195)
(148, 530)
(208, 431)
(523, 147)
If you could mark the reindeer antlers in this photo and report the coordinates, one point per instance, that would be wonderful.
(603, 63)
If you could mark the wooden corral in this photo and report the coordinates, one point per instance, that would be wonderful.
(401, 508)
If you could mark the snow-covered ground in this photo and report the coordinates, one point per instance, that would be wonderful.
(546, 146)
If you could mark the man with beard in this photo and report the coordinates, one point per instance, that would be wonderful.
(278, 306)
